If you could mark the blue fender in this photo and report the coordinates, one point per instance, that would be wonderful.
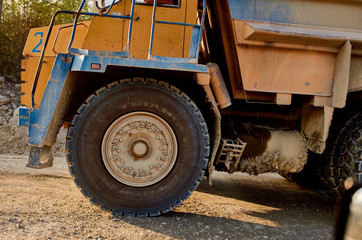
(41, 118)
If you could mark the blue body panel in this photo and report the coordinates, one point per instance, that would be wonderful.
(279, 11)
(343, 14)
(24, 116)
(40, 118)
(83, 63)
(194, 45)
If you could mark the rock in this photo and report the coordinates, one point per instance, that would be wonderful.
(12, 79)
(16, 112)
(4, 100)
(4, 108)
(14, 120)
(12, 95)
(2, 121)
(13, 105)
(2, 79)
(18, 225)
(18, 86)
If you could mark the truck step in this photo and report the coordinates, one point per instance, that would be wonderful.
(230, 152)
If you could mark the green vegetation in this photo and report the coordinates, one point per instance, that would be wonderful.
(17, 17)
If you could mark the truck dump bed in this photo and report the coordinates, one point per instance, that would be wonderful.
(277, 48)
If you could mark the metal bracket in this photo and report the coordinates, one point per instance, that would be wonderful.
(40, 158)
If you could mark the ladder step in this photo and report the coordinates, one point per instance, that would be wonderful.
(230, 152)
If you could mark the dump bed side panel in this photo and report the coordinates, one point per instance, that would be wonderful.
(287, 47)
(343, 14)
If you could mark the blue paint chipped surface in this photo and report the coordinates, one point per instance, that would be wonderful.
(40, 118)
(342, 14)
(194, 42)
(83, 63)
(279, 11)
(24, 116)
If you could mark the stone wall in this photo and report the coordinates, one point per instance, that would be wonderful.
(14, 138)
(9, 98)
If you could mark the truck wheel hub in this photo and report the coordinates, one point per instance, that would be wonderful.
(139, 149)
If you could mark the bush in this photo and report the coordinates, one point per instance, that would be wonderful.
(18, 17)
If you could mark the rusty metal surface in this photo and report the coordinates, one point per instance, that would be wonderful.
(315, 126)
(341, 76)
(218, 86)
(269, 69)
(355, 80)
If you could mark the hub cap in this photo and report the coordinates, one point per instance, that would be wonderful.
(139, 149)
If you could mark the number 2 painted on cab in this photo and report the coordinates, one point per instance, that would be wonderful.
(36, 49)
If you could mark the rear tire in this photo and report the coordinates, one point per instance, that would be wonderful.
(138, 147)
(344, 159)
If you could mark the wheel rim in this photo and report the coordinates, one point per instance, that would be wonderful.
(139, 149)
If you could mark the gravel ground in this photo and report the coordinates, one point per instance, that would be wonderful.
(46, 204)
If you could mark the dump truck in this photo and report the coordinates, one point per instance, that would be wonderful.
(158, 94)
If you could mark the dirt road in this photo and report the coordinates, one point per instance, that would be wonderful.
(46, 204)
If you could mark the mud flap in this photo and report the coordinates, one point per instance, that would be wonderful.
(40, 158)
(45, 121)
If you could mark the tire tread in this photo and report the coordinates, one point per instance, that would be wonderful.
(343, 163)
(99, 94)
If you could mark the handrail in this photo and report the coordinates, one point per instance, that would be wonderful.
(40, 63)
(78, 13)
(56, 36)
(75, 24)
(176, 23)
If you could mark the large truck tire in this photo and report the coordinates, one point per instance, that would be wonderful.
(344, 159)
(138, 147)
